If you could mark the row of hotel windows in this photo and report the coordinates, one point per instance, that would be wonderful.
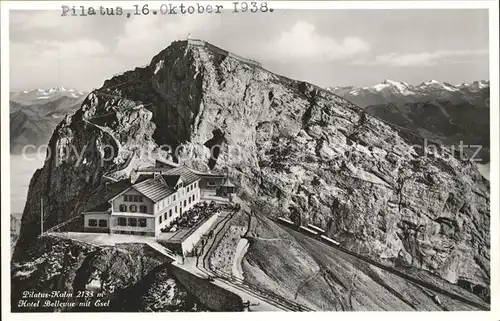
(144, 209)
(167, 202)
(102, 223)
(132, 221)
(133, 198)
(190, 187)
(122, 221)
(160, 218)
(189, 201)
(133, 208)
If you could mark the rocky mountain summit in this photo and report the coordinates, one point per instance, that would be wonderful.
(305, 152)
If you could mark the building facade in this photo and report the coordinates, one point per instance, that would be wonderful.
(147, 205)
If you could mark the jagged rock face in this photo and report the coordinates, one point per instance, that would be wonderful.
(80, 154)
(314, 156)
(114, 272)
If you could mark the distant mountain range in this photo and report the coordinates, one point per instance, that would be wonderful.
(439, 111)
(42, 96)
(35, 114)
(389, 91)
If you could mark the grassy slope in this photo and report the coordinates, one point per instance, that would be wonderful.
(324, 278)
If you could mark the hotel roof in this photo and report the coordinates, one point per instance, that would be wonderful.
(187, 175)
(103, 207)
(155, 189)
(228, 183)
(171, 180)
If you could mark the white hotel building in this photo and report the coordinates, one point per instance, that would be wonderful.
(145, 206)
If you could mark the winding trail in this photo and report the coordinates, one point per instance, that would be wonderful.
(312, 277)
(241, 249)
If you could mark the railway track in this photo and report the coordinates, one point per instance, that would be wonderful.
(260, 293)
(409, 278)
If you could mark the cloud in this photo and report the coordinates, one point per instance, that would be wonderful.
(50, 63)
(423, 59)
(303, 42)
(35, 20)
(145, 36)
(43, 51)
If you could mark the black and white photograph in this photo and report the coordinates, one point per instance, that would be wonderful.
(249, 157)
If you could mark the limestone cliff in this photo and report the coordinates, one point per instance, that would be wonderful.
(305, 151)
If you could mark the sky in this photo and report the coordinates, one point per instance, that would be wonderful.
(324, 47)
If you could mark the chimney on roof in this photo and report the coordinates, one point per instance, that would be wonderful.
(133, 176)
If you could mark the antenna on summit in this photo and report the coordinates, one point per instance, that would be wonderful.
(187, 37)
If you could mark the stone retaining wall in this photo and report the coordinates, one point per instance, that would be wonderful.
(209, 294)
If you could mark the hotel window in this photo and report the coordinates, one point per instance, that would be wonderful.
(142, 222)
(165, 216)
(143, 209)
(140, 198)
(132, 221)
(133, 208)
(122, 221)
(123, 208)
(170, 213)
(176, 208)
(160, 218)
(92, 223)
(184, 203)
(174, 198)
(125, 198)
(103, 223)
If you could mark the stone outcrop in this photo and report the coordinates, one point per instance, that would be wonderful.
(131, 277)
(308, 153)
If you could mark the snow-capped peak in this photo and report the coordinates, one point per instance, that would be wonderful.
(390, 82)
(402, 87)
(434, 84)
(476, 85)
(55, 89)
(39, 95)
(396, 91)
